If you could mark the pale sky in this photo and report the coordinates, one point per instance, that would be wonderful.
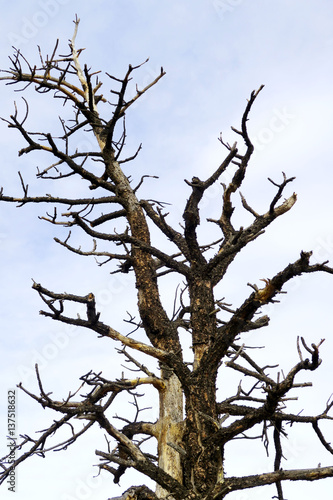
(214, 54)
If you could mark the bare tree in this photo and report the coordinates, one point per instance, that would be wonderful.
(193, 426)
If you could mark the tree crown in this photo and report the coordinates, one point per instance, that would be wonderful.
(194, 427)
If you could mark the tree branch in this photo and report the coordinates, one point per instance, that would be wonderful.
(240, 483)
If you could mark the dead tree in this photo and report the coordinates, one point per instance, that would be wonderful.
(193, 426)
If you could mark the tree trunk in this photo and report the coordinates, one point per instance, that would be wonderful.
(203, 317)
(204, 464)
(170, 427)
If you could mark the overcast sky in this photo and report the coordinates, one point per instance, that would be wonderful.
(214, 54)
